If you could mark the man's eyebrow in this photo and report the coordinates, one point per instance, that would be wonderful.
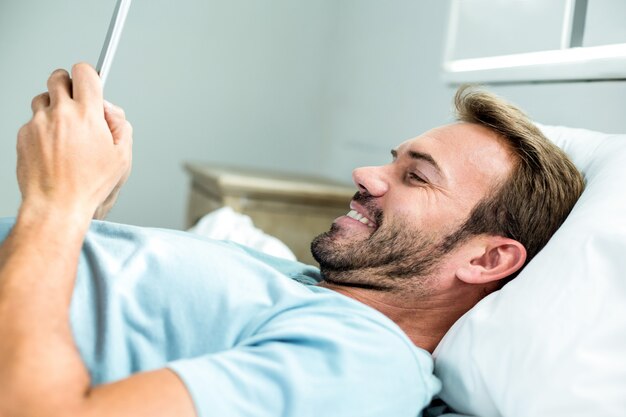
(421, 156)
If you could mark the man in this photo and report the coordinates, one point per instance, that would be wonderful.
(148, 322)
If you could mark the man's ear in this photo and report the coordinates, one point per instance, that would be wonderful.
(490, 259)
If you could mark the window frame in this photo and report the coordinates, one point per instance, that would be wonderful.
(572, 62)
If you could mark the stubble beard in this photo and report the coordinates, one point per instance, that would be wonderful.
(393, 257)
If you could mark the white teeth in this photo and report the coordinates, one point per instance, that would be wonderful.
(358, 216)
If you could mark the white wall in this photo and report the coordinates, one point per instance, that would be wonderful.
(384, 84)
(598, 105)
(316, 87)
(383, 79)
(235, 81)
(35, 38)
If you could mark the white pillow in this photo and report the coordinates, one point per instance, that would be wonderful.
(553, 341)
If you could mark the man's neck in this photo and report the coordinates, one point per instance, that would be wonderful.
(425, 320)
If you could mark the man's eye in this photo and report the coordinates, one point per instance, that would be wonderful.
(414, 177)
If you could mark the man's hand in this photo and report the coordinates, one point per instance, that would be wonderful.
(70, 157)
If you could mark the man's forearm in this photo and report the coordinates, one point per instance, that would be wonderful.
(41, 372)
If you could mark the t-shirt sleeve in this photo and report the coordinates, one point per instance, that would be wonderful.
(282, 372)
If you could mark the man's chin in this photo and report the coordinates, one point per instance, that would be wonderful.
(322, 247)
(336, 248)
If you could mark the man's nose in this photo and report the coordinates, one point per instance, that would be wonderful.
(370, 180)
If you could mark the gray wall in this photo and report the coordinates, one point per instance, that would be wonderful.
(317, 87)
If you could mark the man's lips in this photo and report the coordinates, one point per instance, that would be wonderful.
(358, 213)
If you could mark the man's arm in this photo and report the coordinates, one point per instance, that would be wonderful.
(68, 163)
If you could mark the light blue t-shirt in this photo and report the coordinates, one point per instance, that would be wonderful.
(249, 334)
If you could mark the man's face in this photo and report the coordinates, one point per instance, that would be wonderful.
(404, 210)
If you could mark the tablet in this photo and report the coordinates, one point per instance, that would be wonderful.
(112, 39)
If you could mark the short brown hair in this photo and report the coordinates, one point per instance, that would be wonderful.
(542, 188)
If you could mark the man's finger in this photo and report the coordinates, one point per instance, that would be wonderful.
(40, 102)
(87, 87)
(59, 86)
(115, 117)
(111, 111)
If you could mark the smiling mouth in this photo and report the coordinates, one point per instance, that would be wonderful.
(361, 218)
